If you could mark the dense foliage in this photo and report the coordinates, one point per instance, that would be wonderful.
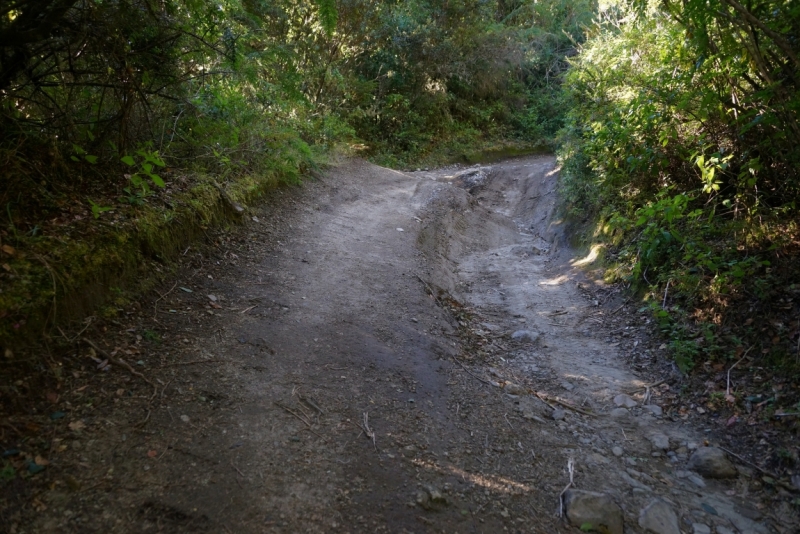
(678, 122)
(121, 120)
(682, 138)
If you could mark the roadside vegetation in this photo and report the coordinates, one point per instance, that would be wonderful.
(681, 140)
(130, 128)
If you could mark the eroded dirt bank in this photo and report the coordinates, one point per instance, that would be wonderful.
(378, 351)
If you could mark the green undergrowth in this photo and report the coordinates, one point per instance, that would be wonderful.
(53, 280)
(464, 149)
(694, 193)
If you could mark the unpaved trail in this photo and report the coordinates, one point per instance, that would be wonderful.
(347, 363)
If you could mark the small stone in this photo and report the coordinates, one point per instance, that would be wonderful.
(625, 401)
(696, 480)
(634, 483)
(431, 498)
(692, 446)
(526, 335)
(619, 412)
(514, 389)
(712, 462)
(659, 441)
(700, 528)
(595, 509)
(185, 418)
(567, 386)
(659, 518)
(724, 530)
(558, 414)
(654, 409)
(617, 451)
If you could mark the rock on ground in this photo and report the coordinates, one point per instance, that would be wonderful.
(659, 518)
(654, 409)
(625, 401)
(619, 412)
(525, 335)
(595, 509)
(712, 462)
(659, 441)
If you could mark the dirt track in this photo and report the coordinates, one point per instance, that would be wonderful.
(345, 364)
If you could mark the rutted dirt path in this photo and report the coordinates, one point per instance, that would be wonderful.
(364, 357)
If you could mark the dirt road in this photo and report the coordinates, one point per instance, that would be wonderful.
(386, 351)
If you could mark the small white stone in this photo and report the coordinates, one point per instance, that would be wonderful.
(624, 401)
(185, 418)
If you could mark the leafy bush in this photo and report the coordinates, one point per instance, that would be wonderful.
(681, 138)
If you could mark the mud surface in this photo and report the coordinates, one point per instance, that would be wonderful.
(381, 351)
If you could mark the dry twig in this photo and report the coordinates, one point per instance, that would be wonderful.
(300, 417)
(193, 362)
(562, 403)
(646, 386)
(571, 469)
(470, 372)
(728, 386)
(117, 361)
(368, 431)
(155, 304)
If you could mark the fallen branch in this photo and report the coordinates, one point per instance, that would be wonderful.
(728, 386)
(571, 469)
(193, 362)
(155, 304)
(620, 306)
(564, 404)
(470, 373)
(368, 431)
(544, 400)
(647, 386)
(300, 417)
(748, 462)
(117, 361)
(430, 290)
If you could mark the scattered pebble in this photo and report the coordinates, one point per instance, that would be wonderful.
(185, 418)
